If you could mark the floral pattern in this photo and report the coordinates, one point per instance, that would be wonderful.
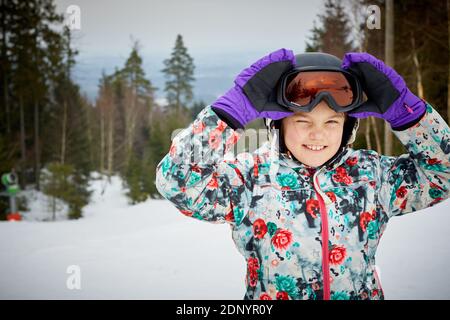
(259, 228)
(282, 239)
(274, 208)
(337, 254)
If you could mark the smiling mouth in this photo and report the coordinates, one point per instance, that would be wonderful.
(314, 147)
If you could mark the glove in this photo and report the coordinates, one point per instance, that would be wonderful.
(388, 96)
(254, 93)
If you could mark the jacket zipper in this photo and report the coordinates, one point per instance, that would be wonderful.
(325, 253)
(378, 280)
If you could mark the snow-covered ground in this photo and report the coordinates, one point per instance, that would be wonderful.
(151, 251)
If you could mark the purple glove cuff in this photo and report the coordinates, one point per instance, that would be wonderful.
(236, 104)
(228, 103)
(247, 113)
(406, 109)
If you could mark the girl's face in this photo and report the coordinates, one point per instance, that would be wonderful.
(314, 137)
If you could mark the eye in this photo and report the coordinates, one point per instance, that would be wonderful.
(332, 121)
(302, 121)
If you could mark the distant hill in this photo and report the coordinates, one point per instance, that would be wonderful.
(214, 73)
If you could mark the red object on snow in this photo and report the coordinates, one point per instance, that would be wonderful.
(13, 216)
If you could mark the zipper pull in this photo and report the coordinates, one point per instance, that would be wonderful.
(324, 196)
(408, 108)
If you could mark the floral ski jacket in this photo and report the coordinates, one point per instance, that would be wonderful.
(305, 233)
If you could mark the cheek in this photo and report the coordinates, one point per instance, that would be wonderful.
(293, 136)
(335, 135)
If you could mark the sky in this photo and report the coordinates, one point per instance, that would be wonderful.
(223, 37)
(228, 34)
(206, 25)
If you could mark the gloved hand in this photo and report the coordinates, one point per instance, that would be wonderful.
(388, 96)
(254, 93)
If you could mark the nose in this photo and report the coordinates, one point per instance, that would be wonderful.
(316, 134)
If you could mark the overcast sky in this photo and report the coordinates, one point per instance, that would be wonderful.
(206, 25)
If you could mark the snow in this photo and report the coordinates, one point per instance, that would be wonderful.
(40, 207)
(152, 251)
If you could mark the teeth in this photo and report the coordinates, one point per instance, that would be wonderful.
(314, 147)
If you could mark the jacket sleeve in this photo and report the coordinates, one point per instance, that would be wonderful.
(201, 177)
(420, 178)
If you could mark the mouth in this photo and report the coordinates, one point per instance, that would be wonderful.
(314, 147)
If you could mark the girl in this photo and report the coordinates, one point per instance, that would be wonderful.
(306, 210)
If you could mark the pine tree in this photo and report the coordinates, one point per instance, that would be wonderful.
(68, 117)
(179, 72)
(134, 180)
(125, 102)
(64, 182)
(315, 43)
(79, 195)
(134, 74)
(105, 114)
(156, 148)
(139, 97)
(30, 51)
(332, 36)
(6, 18)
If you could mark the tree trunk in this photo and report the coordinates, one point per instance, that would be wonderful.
(389, 59)
(377, 135)
(102, 141)
(4, 71)
(6, 100)
(417, 65)
(131, 112)
(37, 156)
(367, 134)
(89, 129)
(178, 94)
(63, 134)
(370, 121)
(53, 208)
(110, 142)
(22, 144)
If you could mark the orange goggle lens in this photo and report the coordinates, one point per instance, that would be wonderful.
(304, 87)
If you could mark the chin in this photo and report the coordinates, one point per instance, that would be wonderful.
(315, 158)
(313, 163)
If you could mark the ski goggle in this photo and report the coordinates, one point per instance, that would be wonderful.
(301, 89)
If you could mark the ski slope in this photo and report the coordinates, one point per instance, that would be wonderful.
(151, 251)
